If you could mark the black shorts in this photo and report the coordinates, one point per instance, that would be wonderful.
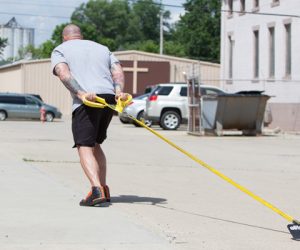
(89, 125)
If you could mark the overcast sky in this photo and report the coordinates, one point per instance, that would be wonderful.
(44, 15)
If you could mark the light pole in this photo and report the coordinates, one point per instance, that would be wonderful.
(161, 37)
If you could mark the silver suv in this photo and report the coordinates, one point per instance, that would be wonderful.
(167, 104)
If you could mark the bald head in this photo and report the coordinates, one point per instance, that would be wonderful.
(71, 32)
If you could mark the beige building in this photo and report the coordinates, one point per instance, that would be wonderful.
(209, 73)
(141, 69)
(35, 77)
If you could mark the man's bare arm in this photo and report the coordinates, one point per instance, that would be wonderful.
(63, 72)
(118, 78)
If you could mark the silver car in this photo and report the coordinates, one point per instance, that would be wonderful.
(136, 109)
(167, 104)
(25, 106)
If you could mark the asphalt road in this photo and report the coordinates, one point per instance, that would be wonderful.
(161, 199)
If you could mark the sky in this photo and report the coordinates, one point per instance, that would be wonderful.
(44, 15)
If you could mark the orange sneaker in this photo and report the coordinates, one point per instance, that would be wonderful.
(95, 196)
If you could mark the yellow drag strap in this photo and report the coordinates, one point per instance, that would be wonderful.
(119, 108)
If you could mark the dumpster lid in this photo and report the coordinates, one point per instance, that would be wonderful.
(250, 92)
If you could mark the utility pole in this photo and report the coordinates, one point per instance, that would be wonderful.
(161, 38)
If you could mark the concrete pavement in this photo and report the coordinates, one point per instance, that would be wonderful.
(160, 198)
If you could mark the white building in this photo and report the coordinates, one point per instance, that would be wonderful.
(17, 37)
(260, 50)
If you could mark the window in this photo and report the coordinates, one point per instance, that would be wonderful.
(30, 101)
(12, 100)
(271, 52)
(230, 7)
(256, 53)
(288, 50)
(275, 3)
(142, 97)
(230, 57)
(242, 3)
(255, 6)
(183, 91)
(166, 90)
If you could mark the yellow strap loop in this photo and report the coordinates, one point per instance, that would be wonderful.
(122, 104)
(119, 108)
(101, 103)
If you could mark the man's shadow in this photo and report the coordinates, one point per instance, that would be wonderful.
(134, 199)
(137, 199)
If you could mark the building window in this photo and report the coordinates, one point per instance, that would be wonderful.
(230, 7)
(255, 5)
(271, 52)
(242, 4)
(256, 53)
(288, 49)
(230, 56)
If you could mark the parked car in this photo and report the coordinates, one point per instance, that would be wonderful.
(136, 109)
(25, 106)
(167, 104)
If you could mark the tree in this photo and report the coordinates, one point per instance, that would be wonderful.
(26, 52)
(30, 52)
(45, 49)
(103, 21)
(144, 26)
(199, 29)
(147, 15)
(117, 24)
(148, 46)
(174, 49)
(56, 37)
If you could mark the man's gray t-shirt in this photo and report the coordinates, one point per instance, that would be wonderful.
(89, 63)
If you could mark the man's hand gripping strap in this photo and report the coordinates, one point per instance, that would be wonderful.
(101, 103)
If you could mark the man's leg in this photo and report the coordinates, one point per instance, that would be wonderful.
(101, 160)
(91, 169)
(89, 164)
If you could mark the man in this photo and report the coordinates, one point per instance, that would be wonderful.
(88, 69)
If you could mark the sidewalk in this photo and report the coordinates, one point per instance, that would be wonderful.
(160, 198)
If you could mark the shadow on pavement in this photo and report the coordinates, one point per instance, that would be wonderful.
(137, 199)
(224, 220)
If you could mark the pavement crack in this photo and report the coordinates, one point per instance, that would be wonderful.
(49, 161)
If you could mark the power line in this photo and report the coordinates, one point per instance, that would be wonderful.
(171, 5)
(69, 6)
(160, 4)
(24, 14)
(40, 5)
